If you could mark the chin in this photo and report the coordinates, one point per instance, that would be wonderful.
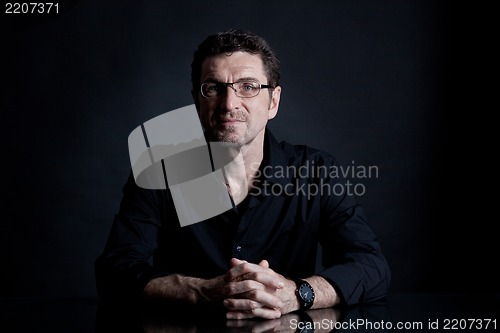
(230, 140)
(227, 139)
(226, 143)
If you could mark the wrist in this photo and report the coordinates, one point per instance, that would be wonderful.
(305, 294)
(294, 303)
(194, 290)
(174, 287)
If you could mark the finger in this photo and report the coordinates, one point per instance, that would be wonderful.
(241, 304)
(266, 277)
(249, 271)
(235, 262)
(253, 299)
(239, 287)
(264, 263)
(238, 268)
(259, 312)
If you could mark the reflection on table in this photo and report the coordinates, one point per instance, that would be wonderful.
(167, 318)
(420, 312)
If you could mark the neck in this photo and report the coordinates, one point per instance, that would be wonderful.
(252, 154)
(240, 165)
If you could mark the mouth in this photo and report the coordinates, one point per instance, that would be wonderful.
(228, 122)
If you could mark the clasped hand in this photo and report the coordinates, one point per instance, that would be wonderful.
(249, 290)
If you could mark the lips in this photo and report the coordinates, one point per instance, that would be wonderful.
(229, 121)
(230, 118)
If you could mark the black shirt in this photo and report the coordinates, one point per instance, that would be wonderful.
(296, 203)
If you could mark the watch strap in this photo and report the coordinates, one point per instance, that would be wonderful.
(304, 305)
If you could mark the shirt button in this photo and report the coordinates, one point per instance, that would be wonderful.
(238, 248)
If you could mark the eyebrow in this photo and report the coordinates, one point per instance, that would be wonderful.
(248, 78)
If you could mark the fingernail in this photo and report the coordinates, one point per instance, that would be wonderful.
(281, 284)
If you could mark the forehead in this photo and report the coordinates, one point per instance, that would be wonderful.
(233, 66)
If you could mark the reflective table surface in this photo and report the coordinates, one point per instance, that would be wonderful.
(398, 313)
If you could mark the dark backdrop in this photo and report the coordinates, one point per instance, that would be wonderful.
(364, 80)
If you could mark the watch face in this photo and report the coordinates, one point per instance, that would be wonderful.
(306, 292)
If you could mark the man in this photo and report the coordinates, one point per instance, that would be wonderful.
(259, 258)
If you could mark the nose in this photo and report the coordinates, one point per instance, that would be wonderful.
(230, 101)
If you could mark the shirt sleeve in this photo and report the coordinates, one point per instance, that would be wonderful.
(126, 264)
(351, 254)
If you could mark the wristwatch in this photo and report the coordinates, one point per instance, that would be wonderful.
(305, 294)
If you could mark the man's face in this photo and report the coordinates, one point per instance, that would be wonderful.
(228, 118)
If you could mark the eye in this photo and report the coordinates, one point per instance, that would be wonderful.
(249, 86)
(211, 87)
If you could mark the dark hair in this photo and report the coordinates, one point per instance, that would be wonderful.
(232, 41)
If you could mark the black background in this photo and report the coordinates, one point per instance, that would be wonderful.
(366, 81)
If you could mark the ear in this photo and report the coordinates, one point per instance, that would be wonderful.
(274, 102)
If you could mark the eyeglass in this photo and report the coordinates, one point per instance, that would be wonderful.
(245, 89)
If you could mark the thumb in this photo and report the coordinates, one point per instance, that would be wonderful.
(264, 263)
(235, 262)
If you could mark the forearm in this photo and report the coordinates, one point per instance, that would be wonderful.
(325, 294)
(181, 288)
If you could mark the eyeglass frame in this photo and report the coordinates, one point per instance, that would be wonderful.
(231, 84)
